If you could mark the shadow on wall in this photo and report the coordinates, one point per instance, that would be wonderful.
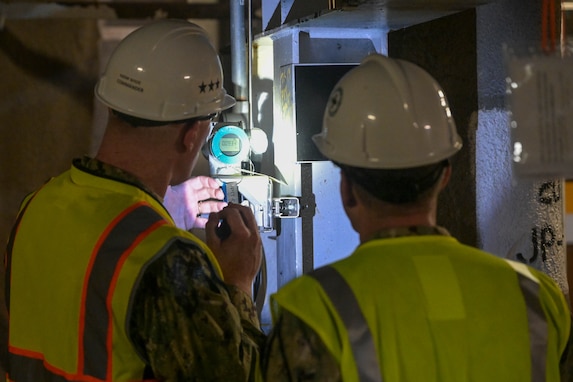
(49, 68)
(263, 119)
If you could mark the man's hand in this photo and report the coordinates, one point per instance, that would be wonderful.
(187, 201)
(239, 252)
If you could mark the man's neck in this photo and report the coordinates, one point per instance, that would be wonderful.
(393, 217)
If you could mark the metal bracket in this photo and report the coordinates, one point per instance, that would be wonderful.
(286, 207)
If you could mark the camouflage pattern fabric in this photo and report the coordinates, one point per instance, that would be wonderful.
(186, 323)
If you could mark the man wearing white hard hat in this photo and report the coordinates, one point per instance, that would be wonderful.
(411, 303)
(102, 284)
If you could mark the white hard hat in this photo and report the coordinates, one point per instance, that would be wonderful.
(387, 114)
(167, 70)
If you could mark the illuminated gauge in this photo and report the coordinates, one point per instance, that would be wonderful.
(230, 144)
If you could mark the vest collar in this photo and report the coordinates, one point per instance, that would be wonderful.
(409, 231)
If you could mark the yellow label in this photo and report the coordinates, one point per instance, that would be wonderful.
(569, 197)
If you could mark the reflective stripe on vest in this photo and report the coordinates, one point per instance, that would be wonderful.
(359, 334)
(536, 320)
(362, 343)
(122, 235)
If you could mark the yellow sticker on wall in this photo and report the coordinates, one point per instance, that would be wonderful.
(569, 197)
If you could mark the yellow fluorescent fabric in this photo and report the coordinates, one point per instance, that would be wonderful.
(431, 303)
(47, 321)
(443, 296)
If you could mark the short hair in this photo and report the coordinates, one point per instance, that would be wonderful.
(396, 186)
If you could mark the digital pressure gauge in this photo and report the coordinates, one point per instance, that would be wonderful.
(229, 144)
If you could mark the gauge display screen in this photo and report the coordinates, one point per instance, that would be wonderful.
(230, 144)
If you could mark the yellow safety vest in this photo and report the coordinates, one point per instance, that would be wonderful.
(427, 308)
(81, 244)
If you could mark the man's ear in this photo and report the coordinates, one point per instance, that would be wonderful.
(347, 191)
(189, 136)
(447, 173)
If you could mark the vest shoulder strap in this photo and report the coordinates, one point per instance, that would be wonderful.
(360, 337)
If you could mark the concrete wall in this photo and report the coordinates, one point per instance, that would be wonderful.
(446, 48)
(520, 219)
(49, 68)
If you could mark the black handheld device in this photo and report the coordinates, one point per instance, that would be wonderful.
(223, 230)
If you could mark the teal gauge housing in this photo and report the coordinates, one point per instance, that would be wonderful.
(229, 144)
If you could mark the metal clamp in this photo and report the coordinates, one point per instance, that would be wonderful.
(286, 207)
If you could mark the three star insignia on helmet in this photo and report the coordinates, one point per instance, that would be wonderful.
(211, 85)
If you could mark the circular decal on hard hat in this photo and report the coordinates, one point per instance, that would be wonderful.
(334, 102)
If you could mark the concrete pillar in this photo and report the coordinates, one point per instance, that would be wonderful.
(520, 219)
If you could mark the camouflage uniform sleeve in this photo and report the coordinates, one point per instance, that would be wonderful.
(190, 326)
(247, 312)
(294, 352)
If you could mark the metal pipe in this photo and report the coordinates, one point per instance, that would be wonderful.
(238, 46)
(250, 62)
